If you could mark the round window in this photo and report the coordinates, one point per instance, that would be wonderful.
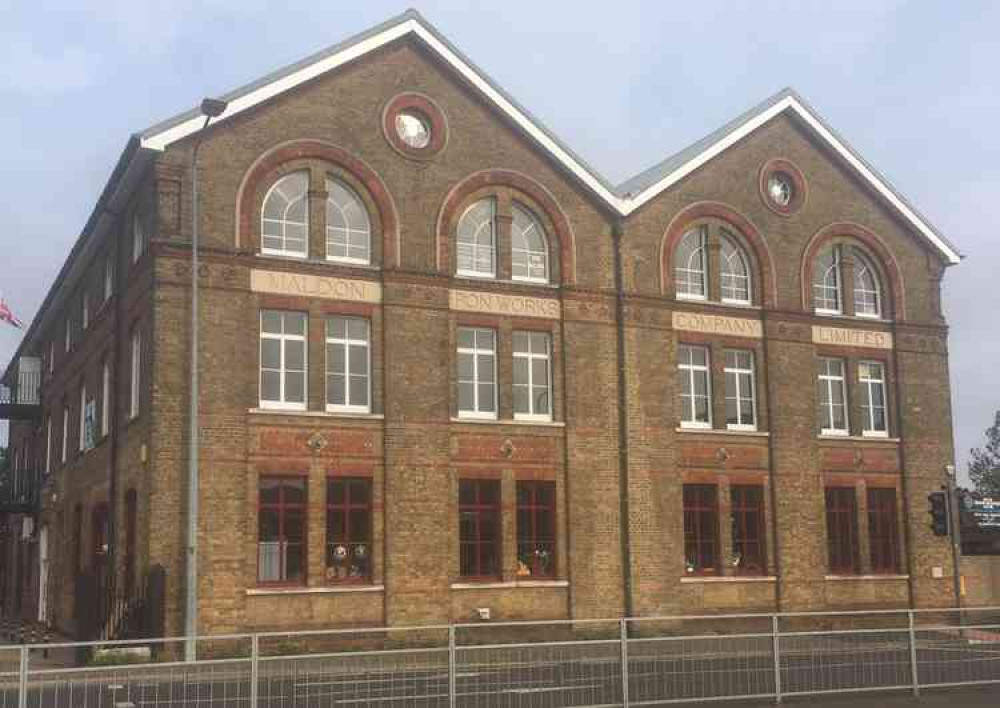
(780, 189)
(413, 130)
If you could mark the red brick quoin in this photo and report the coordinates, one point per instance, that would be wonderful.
(318, 150)
(875, 247)
(763, 277)
(448, 217)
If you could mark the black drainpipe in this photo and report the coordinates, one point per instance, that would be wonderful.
(114, 362)
(767, 367)
(623, 478)
(897, 420)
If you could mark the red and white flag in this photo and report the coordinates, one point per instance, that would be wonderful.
(7, 316)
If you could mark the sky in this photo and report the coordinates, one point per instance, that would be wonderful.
(912, 85)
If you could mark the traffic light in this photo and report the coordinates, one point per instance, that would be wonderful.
(939, 513)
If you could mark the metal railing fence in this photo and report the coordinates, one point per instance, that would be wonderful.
(556, 664)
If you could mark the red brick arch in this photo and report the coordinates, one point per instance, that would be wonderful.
(875, 248)
(447, 217)
(764, 277)
(327, 152)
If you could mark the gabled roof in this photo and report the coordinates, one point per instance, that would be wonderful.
(623, 199)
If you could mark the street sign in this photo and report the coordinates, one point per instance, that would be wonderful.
(985, 512)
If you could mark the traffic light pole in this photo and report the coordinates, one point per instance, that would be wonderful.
(956, 533)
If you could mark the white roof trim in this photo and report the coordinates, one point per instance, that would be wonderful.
(621, 204)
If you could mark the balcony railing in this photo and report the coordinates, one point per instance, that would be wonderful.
(20, 490)
(20, 395)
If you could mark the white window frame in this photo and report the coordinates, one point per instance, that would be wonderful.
(464, 272)
(65, 435)
(69, 334)
(689, 371)
(828, 381)
(535, 224)
(736, 370)
(135, 375)
(475, 353)
(742, 256)
(52, 355)
(867, 405)
(301, 255)
(85, 309)
(837, 270)
(138, 238)
(367, 231)
(531, 357)
(282, 338)
(862, 262)
(83, 408)
(48, 444)
(105, 399)
(109, 278)
(702, 233)
(346, 343)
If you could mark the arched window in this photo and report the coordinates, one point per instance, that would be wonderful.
(867, 291)
(827, 297)
(476, 248)
(529, 248)
(348, 228)
(690, 269)
(735, 272)
(284, 223)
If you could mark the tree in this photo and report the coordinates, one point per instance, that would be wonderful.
(984, 468)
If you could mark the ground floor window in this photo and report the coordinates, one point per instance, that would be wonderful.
(281, 543)
(701, 528)
(348, 529)
(883, 530)
(749, 538)
(479, 528)
(842, 530)
(536, 529)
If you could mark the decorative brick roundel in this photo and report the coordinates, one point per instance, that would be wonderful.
(415, 126)
(782, 186)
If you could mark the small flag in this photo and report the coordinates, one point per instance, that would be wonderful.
(7, 316)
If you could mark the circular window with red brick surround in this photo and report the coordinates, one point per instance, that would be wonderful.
(782, 186)
(415, 126)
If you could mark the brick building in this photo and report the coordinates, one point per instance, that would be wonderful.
(446, 366)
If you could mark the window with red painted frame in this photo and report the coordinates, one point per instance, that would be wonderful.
(281, 538)
(348, 530)
(701, 529)
(749, 537)
(536, 529)
(842, 531)
(479, 529)
(883, 530)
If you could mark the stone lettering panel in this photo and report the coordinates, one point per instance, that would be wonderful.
(718, 324)
(497, 304)
(281, 283)
(852, 337)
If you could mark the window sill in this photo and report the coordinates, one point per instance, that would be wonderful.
(325, 590)
(728, 431)
(730, 579)
(858, 438)
(289, 258)
(314, 414)
(886, 576)
(511, 421)
(499, 585)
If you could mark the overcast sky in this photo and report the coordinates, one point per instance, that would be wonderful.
(912, 85)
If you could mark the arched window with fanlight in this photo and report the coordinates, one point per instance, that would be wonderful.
(827, 296)
(734, 269)
(348, 227)
(529, 248)
(476, 243)
(867, 289)
(284, 229)
(691, 265)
